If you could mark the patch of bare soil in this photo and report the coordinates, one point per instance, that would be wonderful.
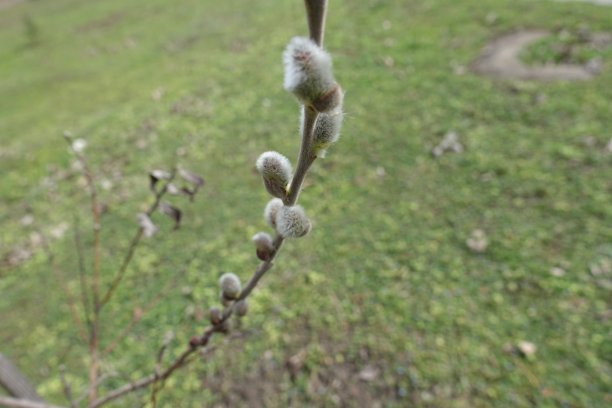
(501, 59)
(364, 381)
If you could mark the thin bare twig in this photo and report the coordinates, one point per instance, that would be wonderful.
(180, 361)
(95, 286)
(134, 244)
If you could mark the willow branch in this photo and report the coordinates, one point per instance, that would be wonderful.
(180, 361)
(316, 22)
(305, 158)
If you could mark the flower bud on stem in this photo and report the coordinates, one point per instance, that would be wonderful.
(230, 286)
(275, 170)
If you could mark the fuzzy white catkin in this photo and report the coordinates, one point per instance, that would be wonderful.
(308, 70)
(262, 240)
(230, 285)
(264, 245)
(271, 210)
(276, 172)
(291, 222)
(275, 164)
(327, 130)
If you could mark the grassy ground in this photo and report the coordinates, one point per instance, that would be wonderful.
(383, 303)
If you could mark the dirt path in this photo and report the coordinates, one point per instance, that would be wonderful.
(500, 59)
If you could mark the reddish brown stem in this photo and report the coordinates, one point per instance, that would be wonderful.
(316, 10)
(180, 361)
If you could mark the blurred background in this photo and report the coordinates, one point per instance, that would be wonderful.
(461, 254)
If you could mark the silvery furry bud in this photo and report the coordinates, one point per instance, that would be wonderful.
(263, 245)
(291, 222)
(271, 210)
(276, 172)
(215, 316)
(331, 100)
(230, 285)
(327, 130)
(308, 70)
(241, 308)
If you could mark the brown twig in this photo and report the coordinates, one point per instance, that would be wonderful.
(95, 286)
(180, 361)
(134, 244)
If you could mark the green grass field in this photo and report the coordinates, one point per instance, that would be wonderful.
(383, 301)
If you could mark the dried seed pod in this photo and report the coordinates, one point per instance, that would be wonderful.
(230, 285)
(271, 210)
(275, 170)
(241, 308)
(308, 70)
(263, 245)
(291, 222)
